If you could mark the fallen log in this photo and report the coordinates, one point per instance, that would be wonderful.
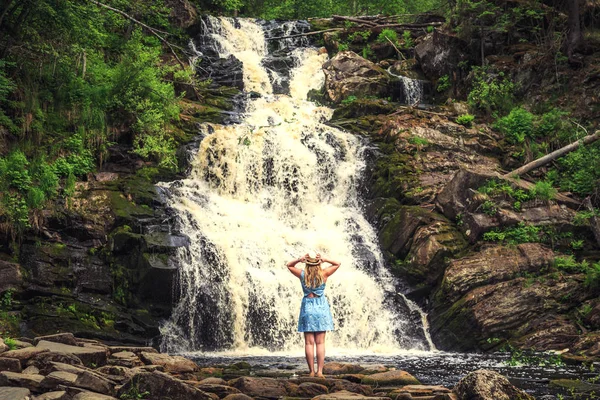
(552, 156)
(305, 34)
(351, 19)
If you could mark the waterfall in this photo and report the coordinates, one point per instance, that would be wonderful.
(266, 191)
(413, 90)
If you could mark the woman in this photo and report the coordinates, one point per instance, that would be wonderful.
(315, 316)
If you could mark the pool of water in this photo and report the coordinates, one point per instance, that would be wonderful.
(436, 368)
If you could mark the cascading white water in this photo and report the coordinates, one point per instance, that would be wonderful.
(412, 89)
(266, 191)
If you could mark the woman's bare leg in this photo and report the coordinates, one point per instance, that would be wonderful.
(320, 341)
(309, 350)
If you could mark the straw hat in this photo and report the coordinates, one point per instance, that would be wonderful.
(311, 259)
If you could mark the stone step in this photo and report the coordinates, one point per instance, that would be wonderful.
(14, 393)
(90, 355)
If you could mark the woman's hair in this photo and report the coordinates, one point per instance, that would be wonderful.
(313, 276)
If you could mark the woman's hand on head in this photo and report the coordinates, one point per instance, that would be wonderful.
(303, 258)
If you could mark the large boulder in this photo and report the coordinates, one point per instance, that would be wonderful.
(260, 387)
(391, 378)
(439, 54)
(508, 310)
(339, 368)
(493, 264)
(488, 385)
(348, 74)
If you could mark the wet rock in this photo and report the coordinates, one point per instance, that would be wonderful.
(133, 349)
(31, 382)
(260, 387)
(373, 369)
(576, 386)
(10, 364)
(10, 276)
(336, 385)
(162, 387)
(488, 385)
(238, 396)
(310, 389)
(13, 393)
(89, 355)
(391, 378)
(213, 381)
(173, 364)
(348, 74)
(222, 71)
(64, 338)
(338, 368)
(219, 390)
(438, 54)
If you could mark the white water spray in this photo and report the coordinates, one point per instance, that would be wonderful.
(267, 191)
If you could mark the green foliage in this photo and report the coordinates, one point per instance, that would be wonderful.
(489, 208)
(516, 235)
(520, 357)
(582, 218)
(6, 300)
(491, 92)
(11, 343)
(359, 36)
(516, 126)
(408, 40)
(465, 120)
(417, 141)
(443, 83)
(579, 172)
(543, 190)
(349, 100)
(388, 34)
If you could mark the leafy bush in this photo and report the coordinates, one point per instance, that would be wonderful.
(443, 83)
(553, 124)
(388, 34)
(491, 92)
(579, 172)
(543, 190)
(465, 119)
(408, 40)
(520, 234)
(517, 125)
(349, 100)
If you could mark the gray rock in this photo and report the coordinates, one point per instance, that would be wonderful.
(89, 355)
(92, 396)
(58, 395)
(439, 54)
(23, 355)
(174, 364)
(44, 361)
(53, 379)
(10, 364)
(13, 393)
(348, 74)
(260, 387)
(10, 275)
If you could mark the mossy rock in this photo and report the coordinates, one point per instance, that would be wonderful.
(123, 240)
(575, 385)
(127, 211)
(363, 107)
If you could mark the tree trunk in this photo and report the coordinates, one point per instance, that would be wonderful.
(553, 156)
(574, 33)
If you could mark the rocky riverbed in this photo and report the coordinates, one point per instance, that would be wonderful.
(63, 367)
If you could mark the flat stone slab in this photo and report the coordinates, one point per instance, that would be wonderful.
(339, 368)
(90, 356)
(346, 395)
(174, 364)
(390, 378)
(13, 393)
(24, 354)
(31, 382)
(64, 338)
(92, 396)
(59, 395)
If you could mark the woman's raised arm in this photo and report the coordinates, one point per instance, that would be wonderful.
(292, 266)
(331, 269)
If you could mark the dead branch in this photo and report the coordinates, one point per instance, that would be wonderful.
(410, 26)
(552, 156)
(392, 43)
(305, 34)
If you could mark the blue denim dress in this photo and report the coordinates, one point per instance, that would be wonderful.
(315, 315)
